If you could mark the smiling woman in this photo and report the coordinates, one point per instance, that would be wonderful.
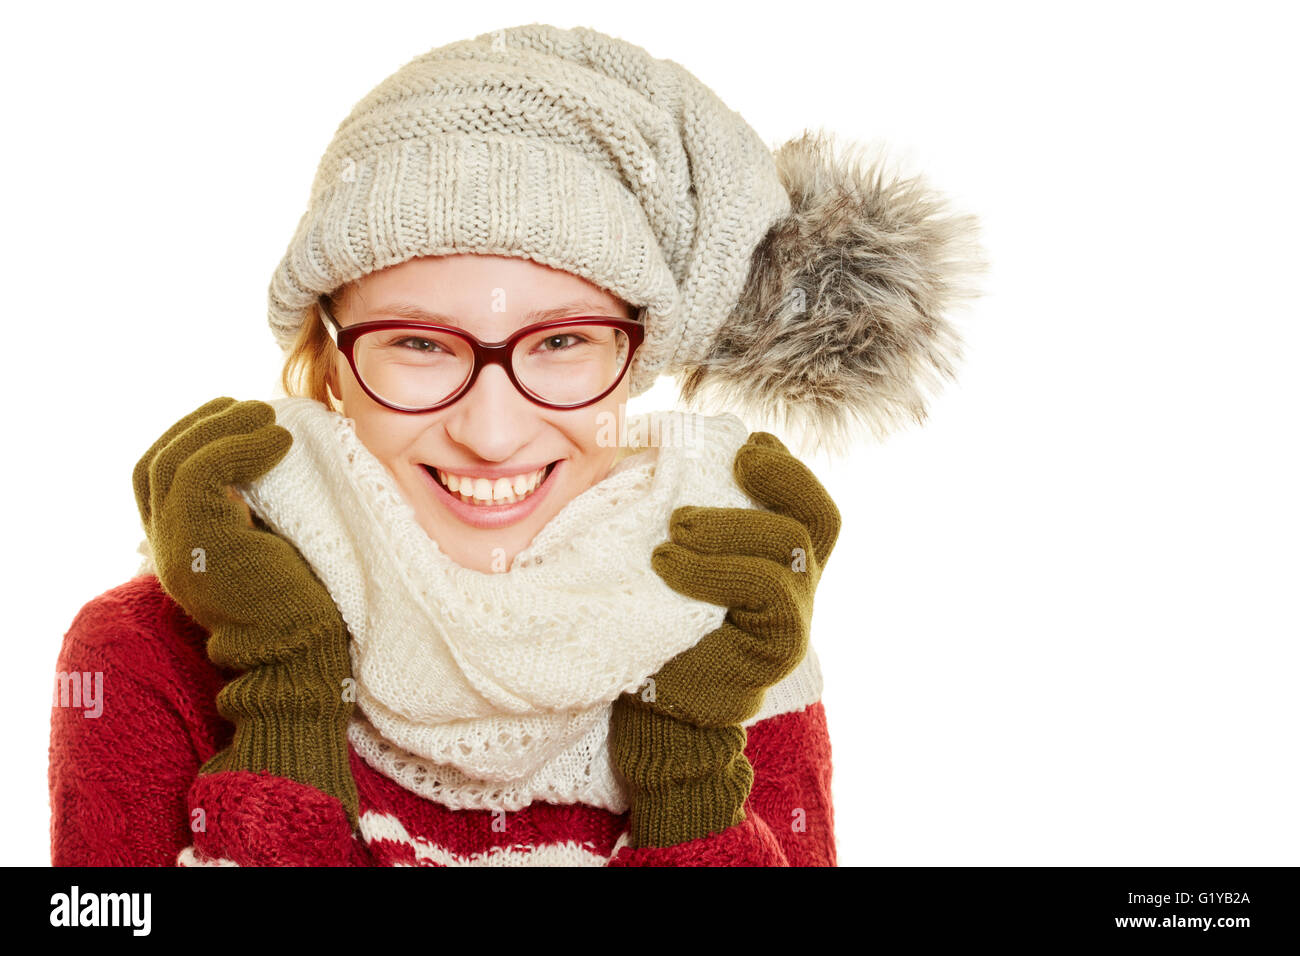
(495, 436)
(457, 624)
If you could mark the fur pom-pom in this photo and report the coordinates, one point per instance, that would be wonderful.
(841, 325)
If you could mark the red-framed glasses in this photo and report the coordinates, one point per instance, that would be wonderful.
(417, 367)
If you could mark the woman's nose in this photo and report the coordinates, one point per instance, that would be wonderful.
(492, 419)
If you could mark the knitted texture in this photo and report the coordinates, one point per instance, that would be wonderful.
(764, 565)
(449, 787)
(264, 820)
(685, 781)
(751, 841)
(502, 681)
(267, 615)
(571, 148)
(680, 747)
(123, 787)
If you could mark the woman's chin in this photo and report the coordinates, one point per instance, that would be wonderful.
(487, 537)
(486, 549)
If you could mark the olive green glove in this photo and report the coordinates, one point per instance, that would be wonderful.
(264, 609)
(679, 742)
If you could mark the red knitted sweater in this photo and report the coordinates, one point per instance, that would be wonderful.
(124, 789)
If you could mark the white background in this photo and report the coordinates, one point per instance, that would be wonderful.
(1059, 626)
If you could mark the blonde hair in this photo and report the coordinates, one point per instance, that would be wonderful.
(313, 358)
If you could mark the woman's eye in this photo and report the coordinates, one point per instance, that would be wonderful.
(417, 344)
(552, 340)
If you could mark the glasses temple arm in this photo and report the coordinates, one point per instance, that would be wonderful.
(331, 326)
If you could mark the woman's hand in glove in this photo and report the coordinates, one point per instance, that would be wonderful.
(679, 743)
(266, 612)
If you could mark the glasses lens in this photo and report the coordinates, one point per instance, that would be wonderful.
(413, 368)
(571, 364)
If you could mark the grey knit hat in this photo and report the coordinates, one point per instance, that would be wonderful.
(789, 286)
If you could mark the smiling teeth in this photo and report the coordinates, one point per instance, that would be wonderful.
(486, 491)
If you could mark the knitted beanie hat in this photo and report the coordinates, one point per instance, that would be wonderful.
(789, 286)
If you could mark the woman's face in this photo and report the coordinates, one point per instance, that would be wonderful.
(492, 431)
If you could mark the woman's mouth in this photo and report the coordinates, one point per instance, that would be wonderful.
(491, 503)
(488, 492)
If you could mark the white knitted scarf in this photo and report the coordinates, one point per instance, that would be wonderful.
(487, 690)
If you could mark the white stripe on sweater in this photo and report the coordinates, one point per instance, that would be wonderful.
(192, 856)
(388, 828)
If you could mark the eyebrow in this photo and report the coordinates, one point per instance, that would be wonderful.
(409, 310)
